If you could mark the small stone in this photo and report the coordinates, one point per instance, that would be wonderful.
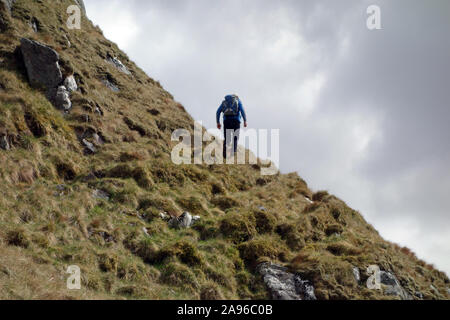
(70, 84)
(284, 285)
(97, 139)
(184, 221)
(356, 274)
(62, 99)
(4, 144)
(89, 146)
(164, 216)
(144, 229)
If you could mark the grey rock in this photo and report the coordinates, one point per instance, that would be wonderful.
(62, 99)
(419, 294)
(261, 208)
(68, 43)
(184, 221)
(70, 84)
(356, 274)
(309, 200)
(98, 110)
(448, 291)
(392, 286)
(110, 85)
(118, 64)
(164, 216)
(4, 143)
(41, 63)
(100, 194)
(89, 147)
(284, 285)
(97, 139)
(34, 24)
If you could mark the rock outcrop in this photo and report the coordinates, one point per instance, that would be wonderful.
(392, 286)
(118, 64)
(42, 64)
(62, 99)
(284, 285)
(4, 143)
(70, 84)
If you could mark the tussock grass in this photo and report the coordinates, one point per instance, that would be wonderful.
(49, 218)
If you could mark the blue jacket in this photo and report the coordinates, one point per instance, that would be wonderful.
(237, 117)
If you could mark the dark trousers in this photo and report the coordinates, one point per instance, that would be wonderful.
(231, 128)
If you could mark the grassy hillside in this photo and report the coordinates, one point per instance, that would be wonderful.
(50, 218)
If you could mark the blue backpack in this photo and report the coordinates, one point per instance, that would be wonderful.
(230, 107)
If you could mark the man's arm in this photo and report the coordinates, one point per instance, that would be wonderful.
(218, 113)
(242, 111)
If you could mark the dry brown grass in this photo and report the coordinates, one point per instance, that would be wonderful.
(49, 218)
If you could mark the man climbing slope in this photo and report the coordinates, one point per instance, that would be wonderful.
(232, 110)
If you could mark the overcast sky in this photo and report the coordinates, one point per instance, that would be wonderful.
(363, 114)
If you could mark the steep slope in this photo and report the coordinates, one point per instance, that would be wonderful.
(86, 173)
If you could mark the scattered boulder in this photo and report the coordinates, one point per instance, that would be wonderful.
(62, 99)
(261, 208)
(419, 294)
(284, 285)
(41, 63)
(70, 83)
(118, 64)
(392, 286)
(184, 221)
(89, 147)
